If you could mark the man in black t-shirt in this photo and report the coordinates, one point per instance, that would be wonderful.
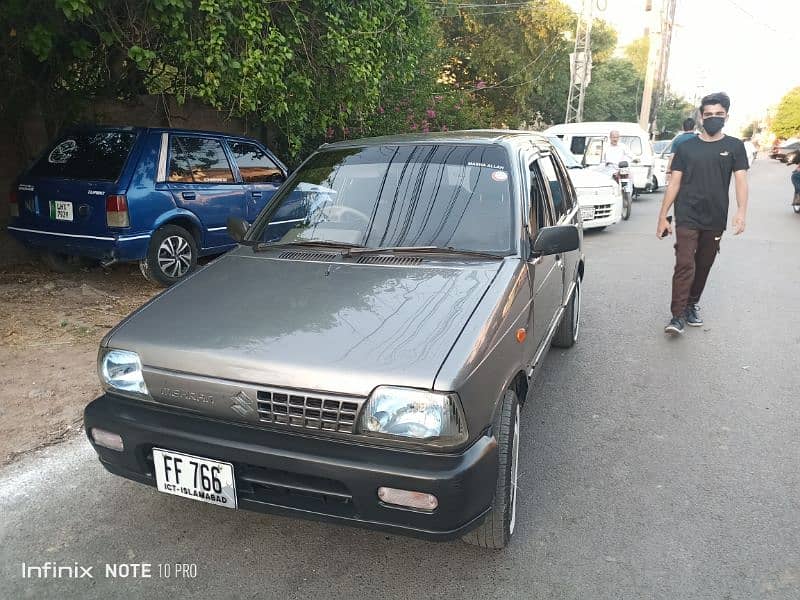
(701, 175)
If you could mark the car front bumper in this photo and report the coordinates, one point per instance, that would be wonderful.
(607, 209)
(304, 476)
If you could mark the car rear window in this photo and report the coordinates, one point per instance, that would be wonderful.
(95, 156)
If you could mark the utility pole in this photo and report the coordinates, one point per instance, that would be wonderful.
(653, 55)
(580, 64)
(662, 19)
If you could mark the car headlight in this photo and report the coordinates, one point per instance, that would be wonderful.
(121, 371)
(435, 418)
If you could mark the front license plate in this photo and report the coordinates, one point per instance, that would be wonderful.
(60, 211)
(195, 477)
(587, 213)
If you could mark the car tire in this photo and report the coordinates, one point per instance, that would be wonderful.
(171, 255)
(653, 185)
(63, 263)
(626, 206)
(498, 526)
(567, 332)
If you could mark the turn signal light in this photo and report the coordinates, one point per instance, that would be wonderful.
(117, 211)
(408, 499)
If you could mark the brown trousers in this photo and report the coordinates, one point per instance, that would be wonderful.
(695, 251)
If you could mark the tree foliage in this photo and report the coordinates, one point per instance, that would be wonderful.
(671, 112)
(786, 123)
(313, 70)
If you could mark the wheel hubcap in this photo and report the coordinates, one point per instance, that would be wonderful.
(514, 471)
(174, 256)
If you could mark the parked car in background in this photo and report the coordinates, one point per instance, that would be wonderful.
(586, 142)
(662, 151)
(160, 197)
(367, 364)
(599, 195)
(786, 151)
(752, 152)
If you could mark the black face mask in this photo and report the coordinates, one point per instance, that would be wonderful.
(713, 125)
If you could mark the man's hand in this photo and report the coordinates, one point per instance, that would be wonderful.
(738, 223)
(663, 224)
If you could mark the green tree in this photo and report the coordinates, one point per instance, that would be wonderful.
(786, 123)
(614, 92)
(637, 52)
(303, 66)
(672, 110)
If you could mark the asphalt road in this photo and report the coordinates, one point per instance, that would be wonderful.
(653, 467)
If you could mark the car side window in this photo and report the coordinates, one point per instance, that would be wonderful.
(254, 164)
(540, 207)
(557, 192)
(566, 184)
(578, 144)
(198, 160)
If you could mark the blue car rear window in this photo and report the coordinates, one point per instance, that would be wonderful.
(95, 156)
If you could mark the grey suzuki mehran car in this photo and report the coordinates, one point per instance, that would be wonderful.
(363, 354)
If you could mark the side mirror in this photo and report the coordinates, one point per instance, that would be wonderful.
(558, 239)
(237, 228)
(623, 163)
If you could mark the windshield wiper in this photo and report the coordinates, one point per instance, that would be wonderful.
(261, 246)
(423, 250)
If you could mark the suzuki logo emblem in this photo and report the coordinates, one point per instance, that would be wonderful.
(242, 404)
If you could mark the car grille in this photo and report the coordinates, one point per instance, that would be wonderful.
(601, 211)
(308, 411)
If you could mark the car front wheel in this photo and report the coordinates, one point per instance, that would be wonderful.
(498, 525)
(567, 332)
(171, 256)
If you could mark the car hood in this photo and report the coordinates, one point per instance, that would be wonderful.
(339, 327)
(587, 178)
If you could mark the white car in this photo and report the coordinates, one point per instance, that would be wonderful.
(599, 195)
(661, 155)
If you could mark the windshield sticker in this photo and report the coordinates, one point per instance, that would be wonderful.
(63, 152)
(499, 175)
(486, 165)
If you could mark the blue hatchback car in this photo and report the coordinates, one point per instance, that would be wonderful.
(157, 196)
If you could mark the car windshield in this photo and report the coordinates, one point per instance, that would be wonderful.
(564, 154)
(444, 195)
(661, 145)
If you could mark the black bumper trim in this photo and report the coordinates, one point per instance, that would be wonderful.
(328, 480)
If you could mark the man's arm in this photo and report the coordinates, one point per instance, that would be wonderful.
(740, 178)
(669, 200)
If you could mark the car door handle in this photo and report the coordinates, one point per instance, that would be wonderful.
(188, 195)
(256, 194)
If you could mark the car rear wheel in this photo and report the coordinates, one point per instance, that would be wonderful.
(567, 332)
(171, 256)
(499, 524)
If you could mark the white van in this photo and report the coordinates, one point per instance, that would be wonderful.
(586, 142)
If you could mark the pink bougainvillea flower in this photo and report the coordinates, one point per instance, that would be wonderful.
(480, 85)
(431, 113)
(438, 98)
(413, 127)
(380, 110)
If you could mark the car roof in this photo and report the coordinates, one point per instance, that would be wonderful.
(470, 136)
(90, 127)
(597, 127)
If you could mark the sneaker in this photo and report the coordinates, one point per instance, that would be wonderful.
(693, 318)
(675, 326)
